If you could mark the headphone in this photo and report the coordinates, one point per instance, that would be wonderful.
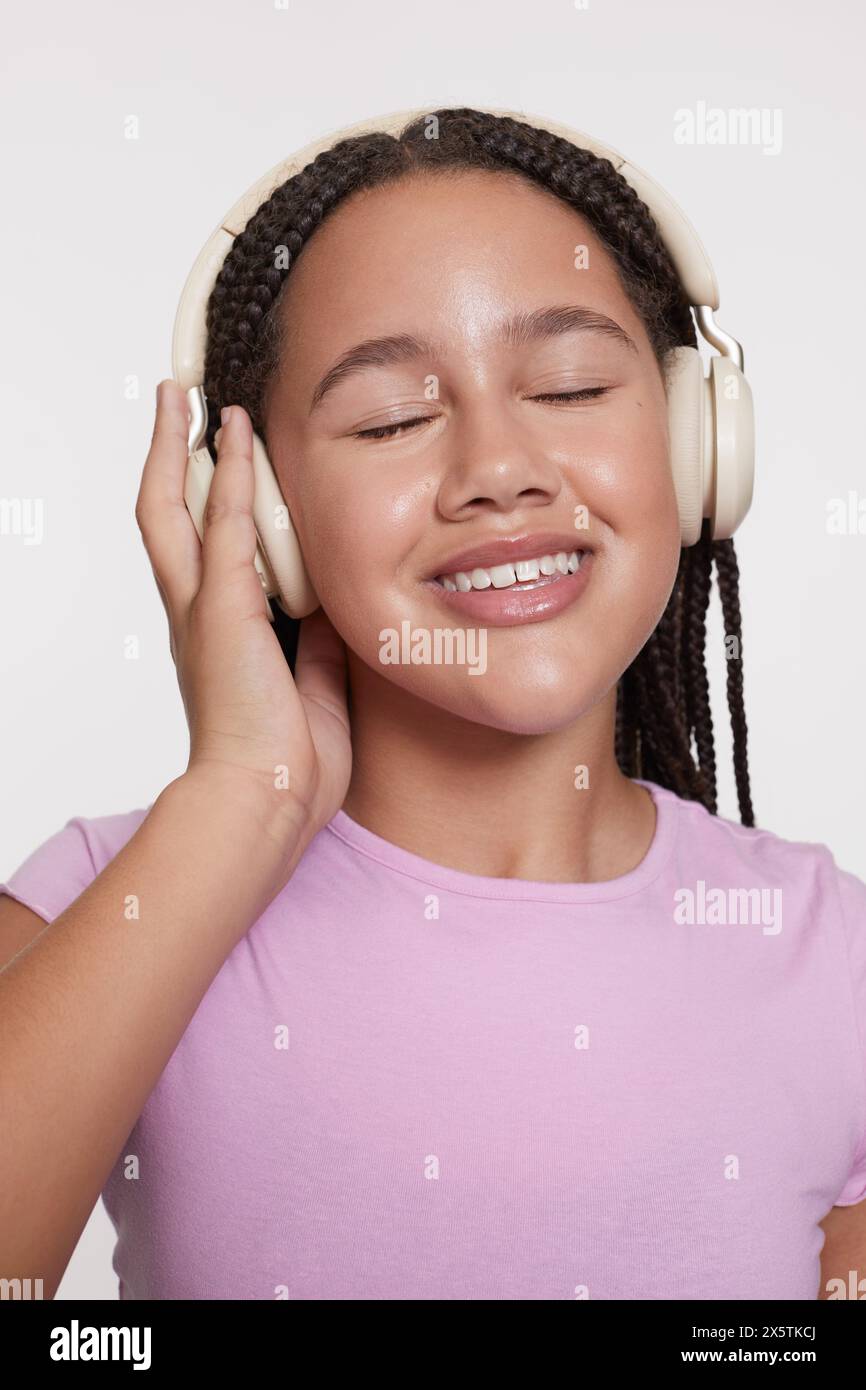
(710, 417)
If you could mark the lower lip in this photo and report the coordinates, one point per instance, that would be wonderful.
(507, 607)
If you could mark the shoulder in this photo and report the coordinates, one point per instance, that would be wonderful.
(704, 837)
(813, 891)
(819, 902)
(59, 869)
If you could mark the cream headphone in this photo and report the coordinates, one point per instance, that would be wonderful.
(711, 421)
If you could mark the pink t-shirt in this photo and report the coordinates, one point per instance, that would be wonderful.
(408, 1082)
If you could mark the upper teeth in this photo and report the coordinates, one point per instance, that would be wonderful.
(500, 576)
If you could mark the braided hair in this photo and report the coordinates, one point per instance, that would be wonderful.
(664, 726)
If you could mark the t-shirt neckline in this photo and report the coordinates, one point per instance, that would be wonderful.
(425, 871)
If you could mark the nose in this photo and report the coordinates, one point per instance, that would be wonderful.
(491, 465)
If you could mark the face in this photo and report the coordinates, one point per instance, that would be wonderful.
(517, 413)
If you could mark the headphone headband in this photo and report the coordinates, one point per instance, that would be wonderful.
(710, 418)
(692, 263)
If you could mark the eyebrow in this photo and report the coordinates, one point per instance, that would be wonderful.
(521, 328)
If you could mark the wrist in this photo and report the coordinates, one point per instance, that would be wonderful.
(274, 819)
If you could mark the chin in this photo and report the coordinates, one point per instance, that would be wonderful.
(513, 704)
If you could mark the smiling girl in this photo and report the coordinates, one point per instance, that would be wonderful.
(424, 1016)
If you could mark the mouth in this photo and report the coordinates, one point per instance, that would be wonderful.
(516, 574)
(516, 591)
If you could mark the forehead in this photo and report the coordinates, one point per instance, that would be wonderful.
(458, 249)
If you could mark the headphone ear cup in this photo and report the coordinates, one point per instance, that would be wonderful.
(291, 583)
(687, 421)
(729, 396)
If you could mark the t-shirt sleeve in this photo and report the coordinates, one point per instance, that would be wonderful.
(56, 873)
(852, 892)
(59, 870)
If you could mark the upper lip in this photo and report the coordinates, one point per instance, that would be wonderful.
(509, 549)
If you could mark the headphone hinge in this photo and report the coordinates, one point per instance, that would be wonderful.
(197, 417)
(726, 345)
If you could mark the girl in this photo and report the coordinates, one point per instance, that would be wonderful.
(428, 980)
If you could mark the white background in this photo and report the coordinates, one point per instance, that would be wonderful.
(100, 232)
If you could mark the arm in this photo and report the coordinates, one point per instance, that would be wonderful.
(19, 925)
(844, 1248)
(93, 1007)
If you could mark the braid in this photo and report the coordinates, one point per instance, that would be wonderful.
(698, 709)
(664, 726)
(243, 336)
(728, 575)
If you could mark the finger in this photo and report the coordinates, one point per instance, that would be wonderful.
(167, 528)
(229, 543)
(320, 664)
(165, 603)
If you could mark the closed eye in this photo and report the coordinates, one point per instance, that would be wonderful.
(586, 394)
(389, 431)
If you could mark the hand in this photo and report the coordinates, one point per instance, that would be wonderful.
(245, 711)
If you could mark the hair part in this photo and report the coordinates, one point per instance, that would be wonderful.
(664, 726)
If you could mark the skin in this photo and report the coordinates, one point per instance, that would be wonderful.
(487, 461)
(844, 1247)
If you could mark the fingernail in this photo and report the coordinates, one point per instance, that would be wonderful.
(225, 414)
(158, 390)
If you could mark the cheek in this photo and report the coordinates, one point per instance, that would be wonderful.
(629, 474)
(354, 535)
(356, 531)
(645, 544)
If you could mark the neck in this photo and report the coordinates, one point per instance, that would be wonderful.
(489, 802)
